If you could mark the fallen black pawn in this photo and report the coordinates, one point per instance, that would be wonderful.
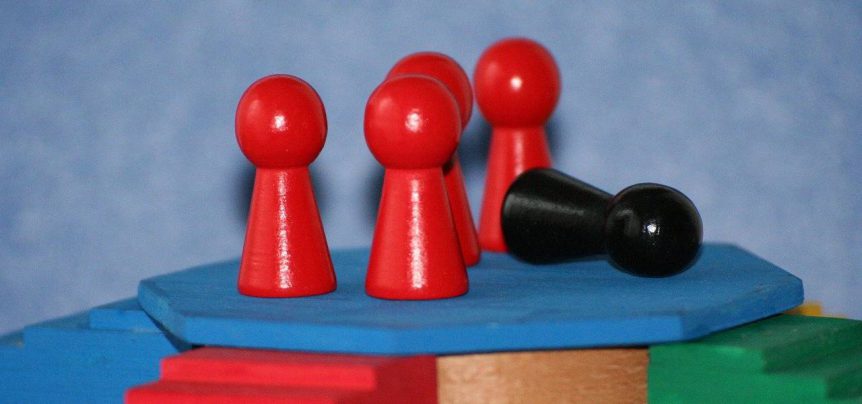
(647, 229)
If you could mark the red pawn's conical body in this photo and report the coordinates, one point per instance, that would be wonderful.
(412, 127)
(414, 234)
(517, 87)
(513, 151)
(285, 252)
(281, 128)
(447, 71)
(461, 215)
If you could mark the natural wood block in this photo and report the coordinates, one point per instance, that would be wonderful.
(565, 376)
(814, 309)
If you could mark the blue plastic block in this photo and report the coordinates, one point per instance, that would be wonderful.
(68, 360)
(12, 341)
(70, 339)
(122, 315)
(11, 352)
(510, 306)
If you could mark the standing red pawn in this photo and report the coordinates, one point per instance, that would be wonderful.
(412, 127)
(448, 72)
(517, 86)
(281, 128)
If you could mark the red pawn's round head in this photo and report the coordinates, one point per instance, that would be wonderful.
(280, 122)
(412, 122)
(446, 70)
(517, 83)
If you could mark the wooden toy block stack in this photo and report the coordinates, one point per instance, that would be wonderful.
(576, 295)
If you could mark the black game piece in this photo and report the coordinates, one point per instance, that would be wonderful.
(647, 229)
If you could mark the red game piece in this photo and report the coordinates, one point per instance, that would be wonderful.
(517, 87)
(412, 126)
(448, 72)
(281, 128)
(231, 375)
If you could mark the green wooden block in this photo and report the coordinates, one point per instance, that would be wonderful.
(835, 377)
(685, 396)
(774, 343)
(778, 360)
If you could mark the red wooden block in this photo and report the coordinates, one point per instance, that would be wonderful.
(229, 375)
(168, 392)
(412, 126)
(281, 128)
(448, 72)
(517, 86)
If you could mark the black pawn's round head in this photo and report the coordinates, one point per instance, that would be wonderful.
(652, 230)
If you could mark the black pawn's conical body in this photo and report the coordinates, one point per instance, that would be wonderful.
(647, 229)
(550, 217)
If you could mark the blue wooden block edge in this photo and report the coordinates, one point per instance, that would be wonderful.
(511, 306)
(69, 360)
(125, 315)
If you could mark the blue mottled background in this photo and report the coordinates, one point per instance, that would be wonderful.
(118, 159)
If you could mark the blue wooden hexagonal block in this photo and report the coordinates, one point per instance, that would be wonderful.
(510, 306)
(88, 357)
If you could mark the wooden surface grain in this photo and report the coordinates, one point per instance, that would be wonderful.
(563, 376)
